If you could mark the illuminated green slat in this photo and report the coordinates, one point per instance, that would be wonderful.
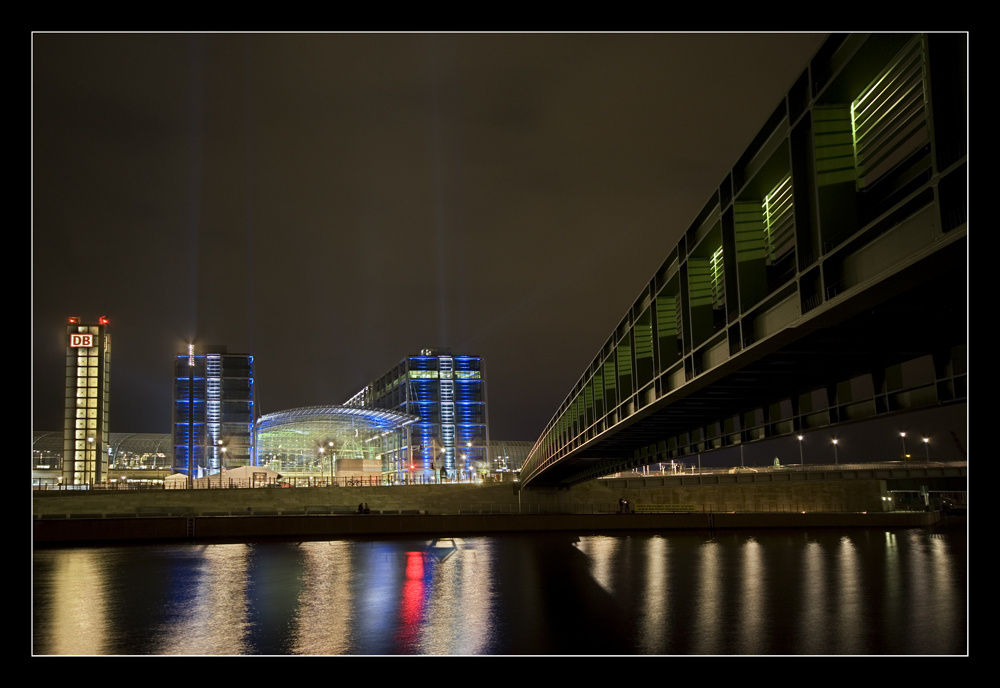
(624, 359)
(643, 335)
(749, 228)
(833, 139)
(679, 318)
(699, 282)
(909, 139)
(835, 154)
(666, 316)
(718, 280)
(889, 118)
(609, 376)
(908, 104)
(902, 81)
(778, 216)
(908, 121)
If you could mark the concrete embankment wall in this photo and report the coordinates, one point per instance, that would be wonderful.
(816, 495)
(591, 497)
(427, 498)
(440, 525)
(449, 510)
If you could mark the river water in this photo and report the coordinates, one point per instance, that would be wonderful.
(787, 592)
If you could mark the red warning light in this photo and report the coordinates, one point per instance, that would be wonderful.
(103, 320)
(74, 321)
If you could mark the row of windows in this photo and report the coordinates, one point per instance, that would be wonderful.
(446, 374)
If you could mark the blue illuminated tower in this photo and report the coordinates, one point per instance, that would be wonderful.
(448, 392)
(212, 411)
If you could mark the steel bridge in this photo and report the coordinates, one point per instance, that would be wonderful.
(830, 260)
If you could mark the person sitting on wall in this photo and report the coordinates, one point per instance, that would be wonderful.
(361, 508)
(367, 510)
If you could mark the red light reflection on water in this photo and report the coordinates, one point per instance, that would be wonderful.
(411, 610)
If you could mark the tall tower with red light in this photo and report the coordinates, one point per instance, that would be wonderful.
(85, 425)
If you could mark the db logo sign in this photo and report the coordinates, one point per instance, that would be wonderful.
(79, 341)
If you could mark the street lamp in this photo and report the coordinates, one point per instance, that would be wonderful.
(927, 450)
(801, 460)
(903, 436)
(835, 461)
(333, 461)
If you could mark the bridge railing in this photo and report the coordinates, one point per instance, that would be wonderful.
(687, 469)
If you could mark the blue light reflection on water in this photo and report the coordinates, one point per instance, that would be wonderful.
(766, 592)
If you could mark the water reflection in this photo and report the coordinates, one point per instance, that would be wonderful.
(209, 610)
(79, 604)
(708, 628)
(654, 609)
(859, 592)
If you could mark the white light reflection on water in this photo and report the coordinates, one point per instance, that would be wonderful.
(935, 600)
(864, 592)
(847, 593)
(944, 591)
(458, 616)
(708, 617)
(752, 601)
(654, 619)
(80, 604)
(602, 551)
(815, 615)
(324, 618)
(892, 579)
(210, 608)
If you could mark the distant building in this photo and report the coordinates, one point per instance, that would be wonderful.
(132, 457)
(320, 443)
(448, 393)
(88, 386)
(508, 456)
(213, 411)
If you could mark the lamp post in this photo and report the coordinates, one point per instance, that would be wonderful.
(801, 460)
(927, 450)
(903, 437)
(835, 461)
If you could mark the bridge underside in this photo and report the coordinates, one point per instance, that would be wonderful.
(917, 312)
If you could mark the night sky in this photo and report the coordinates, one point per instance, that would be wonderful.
(332, 203)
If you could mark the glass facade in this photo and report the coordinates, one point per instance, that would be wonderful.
(334, 441)
(448, 393)
(212, 411)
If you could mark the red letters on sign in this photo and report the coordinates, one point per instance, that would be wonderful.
(78, 341)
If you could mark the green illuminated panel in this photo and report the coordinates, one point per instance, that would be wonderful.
(889, 120)
(718, 280)
(834, 138)
(779, 220)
